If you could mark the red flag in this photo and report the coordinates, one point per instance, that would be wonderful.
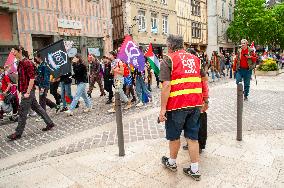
(11, 63)
(252, 46)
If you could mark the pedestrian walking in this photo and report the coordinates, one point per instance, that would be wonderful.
(65, 85)
(95, 76)
(43, 80)
(202, 133)
(128, 83)
(81, 79)
(215, 66)
(26, 74)
(9, 89)
(243, 65)
(181, 100)
(222, 61)
(108, 79)
(54, 84)
(148, 75)
(143, 94)
(118, 72)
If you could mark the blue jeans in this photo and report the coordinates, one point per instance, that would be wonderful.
(214, 73)
(81, 92)
(227, 69)
(118, 84)
(65, 89)
(244, 74)
(141, 87)
(231, 71)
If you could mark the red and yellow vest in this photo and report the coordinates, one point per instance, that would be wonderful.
(186, 86)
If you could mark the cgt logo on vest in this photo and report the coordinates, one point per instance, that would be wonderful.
(188, 63)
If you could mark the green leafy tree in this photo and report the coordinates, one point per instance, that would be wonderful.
(278, 14)
(255, 22)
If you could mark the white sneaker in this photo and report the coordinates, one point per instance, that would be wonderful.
(112, 110)
(87, 110)
(139, 104)
(38, 119)
(32, 114)
(69, 113)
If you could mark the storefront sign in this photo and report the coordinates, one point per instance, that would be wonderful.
(69, 24)
(94, 51)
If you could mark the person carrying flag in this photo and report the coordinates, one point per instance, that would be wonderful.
(26, 87)
(243, 65)
(117, 69)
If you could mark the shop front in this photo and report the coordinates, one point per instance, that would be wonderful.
(8, 31)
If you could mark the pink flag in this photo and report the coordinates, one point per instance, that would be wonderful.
(11, 63)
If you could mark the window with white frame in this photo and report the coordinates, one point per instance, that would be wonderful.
(141, 20)
(196, 30)
(195, 7)
(154, 23)
(223, 9)
(165, 24)
(164, 2)
(230, 12)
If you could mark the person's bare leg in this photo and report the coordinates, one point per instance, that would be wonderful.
(174, 148)
(193, 150)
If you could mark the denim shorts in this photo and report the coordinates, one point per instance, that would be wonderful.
(179, 120)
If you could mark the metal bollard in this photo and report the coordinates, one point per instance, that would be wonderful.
(118, 114)
(240, 101)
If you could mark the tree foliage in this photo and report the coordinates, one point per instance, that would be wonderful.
(255, 22)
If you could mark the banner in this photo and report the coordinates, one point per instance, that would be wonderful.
(11, 62)
(131, 54)
(56, 58)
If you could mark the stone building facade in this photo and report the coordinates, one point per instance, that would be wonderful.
(85, 22)
(9, 35)
(192, 23)
(220, 14)
(148, 21)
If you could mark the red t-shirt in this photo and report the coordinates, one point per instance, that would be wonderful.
(244, 60)
(5, 82)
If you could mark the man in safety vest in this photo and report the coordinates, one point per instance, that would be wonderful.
(184, 94)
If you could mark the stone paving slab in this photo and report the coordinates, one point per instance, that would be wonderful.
(141, 167)
(33, 137)
(142, 126)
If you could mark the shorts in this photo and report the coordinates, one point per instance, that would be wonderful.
(128, 80)
(179, 120)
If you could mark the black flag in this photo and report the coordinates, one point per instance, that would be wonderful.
(56, 58)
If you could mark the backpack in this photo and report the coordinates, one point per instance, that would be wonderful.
(125, 69)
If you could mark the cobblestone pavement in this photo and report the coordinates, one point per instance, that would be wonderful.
(259, 158)
(263, 111)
